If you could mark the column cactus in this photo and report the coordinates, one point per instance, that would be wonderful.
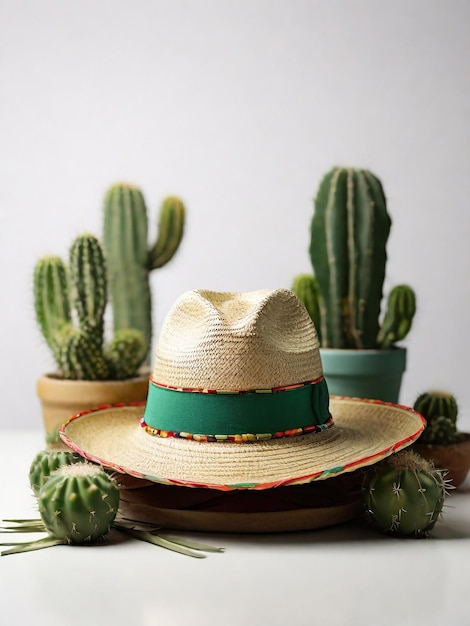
(70, 304)
(349, 233)
(130, 259)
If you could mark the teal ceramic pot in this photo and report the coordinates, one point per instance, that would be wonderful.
(374, 374)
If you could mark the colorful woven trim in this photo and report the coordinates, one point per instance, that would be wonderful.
(239, 392)
(236, 415)
(243, 438)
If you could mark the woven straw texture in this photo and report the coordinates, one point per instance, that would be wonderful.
(254, 340)
(249, 341)
(364, 432)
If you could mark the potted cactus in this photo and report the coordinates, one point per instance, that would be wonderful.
(349, 232)
(130, 260)
(440, 441)
(70, 304)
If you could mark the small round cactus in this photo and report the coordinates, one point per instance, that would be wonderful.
(404, 494)
(46, 462)
(440, 411)
(435, 403)
(78, 503)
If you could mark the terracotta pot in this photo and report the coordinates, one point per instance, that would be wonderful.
(455, 458)
(60, 399)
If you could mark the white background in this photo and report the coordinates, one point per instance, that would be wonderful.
(240, 107)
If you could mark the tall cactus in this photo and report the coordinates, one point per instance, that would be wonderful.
(79, 350)
(349, 233)
(130, 260)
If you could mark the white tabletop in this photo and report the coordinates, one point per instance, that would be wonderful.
(346, 575)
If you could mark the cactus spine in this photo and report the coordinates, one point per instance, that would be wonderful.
(45, 463)
(440, 411)
(79, 350)
(78, 503)
(130, 260)
(404, 495)
(349, 232)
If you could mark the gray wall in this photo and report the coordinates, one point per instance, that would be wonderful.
(240, 107)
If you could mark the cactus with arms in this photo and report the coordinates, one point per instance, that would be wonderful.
(349, 232)
(130, 260)
(79, 350)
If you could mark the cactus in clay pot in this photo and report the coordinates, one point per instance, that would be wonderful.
(78, 503)
(349, 232)
(440, 411)
(45, 463)
(79, 292)
(404, 495)
(130, 259)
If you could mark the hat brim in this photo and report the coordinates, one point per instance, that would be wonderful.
(365, 432)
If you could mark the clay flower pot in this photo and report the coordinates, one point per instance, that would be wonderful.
(60, 398)
(455, 457)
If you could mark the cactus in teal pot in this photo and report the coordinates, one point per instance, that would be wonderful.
(70, 304)
(129, 256)
(349, 233)
(404, 495)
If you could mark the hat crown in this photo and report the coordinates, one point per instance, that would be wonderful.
(237, 341)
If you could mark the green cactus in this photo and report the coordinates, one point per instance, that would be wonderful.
(305, 287)
(78, 503)
(440, 411)
(404, 494)
(130, 260)
(401, 308)
(45, 463)
(79, 351)
(349, 232)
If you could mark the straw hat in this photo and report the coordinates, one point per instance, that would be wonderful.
(237, 400)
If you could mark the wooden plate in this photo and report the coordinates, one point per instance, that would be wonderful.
(300, 507)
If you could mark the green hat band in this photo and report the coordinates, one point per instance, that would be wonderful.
(237, 416)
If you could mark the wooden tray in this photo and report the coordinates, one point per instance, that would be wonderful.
(300, 507)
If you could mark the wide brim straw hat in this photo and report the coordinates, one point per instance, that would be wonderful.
(237, 400)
